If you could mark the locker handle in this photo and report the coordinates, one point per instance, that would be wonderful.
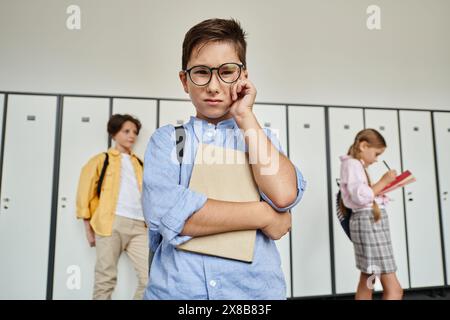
(5, 207)
(63, 199)
(445, 192)
(410, 199)
(6, 199)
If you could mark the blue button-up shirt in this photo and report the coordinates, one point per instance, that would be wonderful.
(168, 203)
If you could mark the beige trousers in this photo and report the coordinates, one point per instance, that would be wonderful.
(128, 235)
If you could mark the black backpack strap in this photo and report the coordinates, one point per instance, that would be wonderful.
(102, 174)
(180, 135)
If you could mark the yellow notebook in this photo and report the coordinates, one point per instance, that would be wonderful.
(224, 174)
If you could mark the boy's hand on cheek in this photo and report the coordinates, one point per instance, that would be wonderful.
(243, 95)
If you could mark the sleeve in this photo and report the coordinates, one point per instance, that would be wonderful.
(355, 179)
(87, 186)
(301, 183)
(166, 204)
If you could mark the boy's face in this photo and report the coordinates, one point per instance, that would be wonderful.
(127, 135)
(213, 100)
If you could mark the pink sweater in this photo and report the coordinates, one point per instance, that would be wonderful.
(355, 189)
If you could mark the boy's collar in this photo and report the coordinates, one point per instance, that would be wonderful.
(201, 126)
(228, 123)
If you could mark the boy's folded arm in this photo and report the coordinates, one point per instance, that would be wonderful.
(223, 216)
(178, 213)
(283, 187)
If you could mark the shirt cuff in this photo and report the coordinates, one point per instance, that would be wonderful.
(173, 223)
(84, 213)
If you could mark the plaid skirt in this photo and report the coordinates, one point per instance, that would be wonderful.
(372, 242)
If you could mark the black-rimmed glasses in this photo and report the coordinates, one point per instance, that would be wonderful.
(227, 72)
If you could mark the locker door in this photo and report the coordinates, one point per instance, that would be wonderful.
(422, 216)
(175, 112)
(26, 198)
(442, 138)
(344, 124)
(386, 122)
(145, 111)
(274, 118)
(311, 268)
(83, 136)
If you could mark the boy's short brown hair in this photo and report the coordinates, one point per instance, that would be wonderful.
(212, 30)
(116, 122)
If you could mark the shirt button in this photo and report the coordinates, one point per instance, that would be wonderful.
(212, 283)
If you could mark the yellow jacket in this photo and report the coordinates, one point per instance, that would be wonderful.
(101, 212)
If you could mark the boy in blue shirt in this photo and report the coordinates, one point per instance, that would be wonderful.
(215, 76)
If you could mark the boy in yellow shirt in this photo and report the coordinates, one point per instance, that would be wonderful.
(109, 201)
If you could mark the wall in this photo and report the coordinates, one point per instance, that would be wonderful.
(299, 51)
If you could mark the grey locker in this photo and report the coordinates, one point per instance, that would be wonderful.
(145, 111)
(83, 135)
(311, 265)
(344, 124)
(273, 117)
(26, 197)
(175, 112)
(442, 138)
(422, 216)
(386, 122)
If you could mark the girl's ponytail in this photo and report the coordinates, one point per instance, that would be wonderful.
(375, 207)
